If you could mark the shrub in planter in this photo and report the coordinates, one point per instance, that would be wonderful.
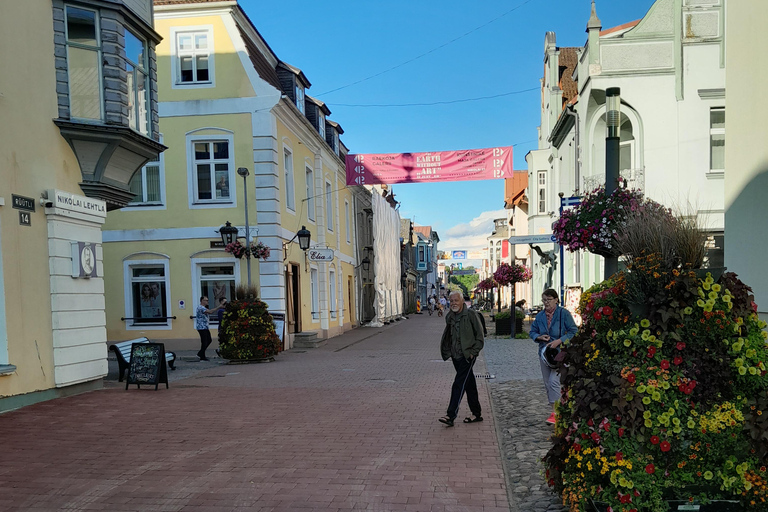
(504, 315)
(668, 407)
(247, 332)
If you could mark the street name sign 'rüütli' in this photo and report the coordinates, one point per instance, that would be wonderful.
(464, 165)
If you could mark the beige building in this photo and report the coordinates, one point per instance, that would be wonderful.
(78, 119)
(746, 160)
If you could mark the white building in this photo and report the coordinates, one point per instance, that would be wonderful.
(670, 67)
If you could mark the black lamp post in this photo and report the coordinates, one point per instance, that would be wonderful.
(303, 235)
(612, 152)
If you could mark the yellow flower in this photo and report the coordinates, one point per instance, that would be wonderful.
(700, 303)
(752, 370)
(706, 286)
(727, 299)
(691, 424)
(646, 400)
(716, 288)
(641, 388)
(742, 370)
(688, 310)
(712, 295)
(648, 423)
(627, 342)
(708, 475)
(646, 414)
(645, 322)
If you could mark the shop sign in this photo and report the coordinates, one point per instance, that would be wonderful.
(320, 254)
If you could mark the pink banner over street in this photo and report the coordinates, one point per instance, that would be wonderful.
(469, 164)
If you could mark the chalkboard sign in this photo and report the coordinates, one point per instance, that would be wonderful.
(279, 320)
(147, 365)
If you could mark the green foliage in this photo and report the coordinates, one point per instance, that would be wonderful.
(504, 315)
(247, 332)
(465, 282)
(522, 336)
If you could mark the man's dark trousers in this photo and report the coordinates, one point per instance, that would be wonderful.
(464, 382)
(205, 340)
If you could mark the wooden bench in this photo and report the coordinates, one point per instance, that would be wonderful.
(122, 351)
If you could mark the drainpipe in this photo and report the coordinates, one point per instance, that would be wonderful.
(569, 111)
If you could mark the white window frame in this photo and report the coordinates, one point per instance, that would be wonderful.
(332, 292)
(100, 59)
(541, 186)
(128, 266)
(221, 135)
(145, 206)
(143, 68)
(314, 294)
(300, 97)
(321, 123)
(176, 82)
(347, 221)
(290, 179)
(196, 274)
(715, 131)
(631, 145)
(309, 178)
(329, 205)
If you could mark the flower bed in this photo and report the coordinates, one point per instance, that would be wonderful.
(664, 407)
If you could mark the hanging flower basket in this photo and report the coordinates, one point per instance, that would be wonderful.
(236, 249)
(507, 274)
(260, 251)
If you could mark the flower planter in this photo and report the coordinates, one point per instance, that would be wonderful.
(518, 325)
(716, 272)
(713, 506)
(503, 326)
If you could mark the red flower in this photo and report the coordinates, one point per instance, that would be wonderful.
(626, 498)
(677, 360)
(680, 345)
(590, 422)
(650, 469)
(651, 351)
(637, 493)
(621, 432)
(607, 310)
(664, 364)
(665, 446)
(631, 378)
(598, 316)
(576, 447)
(654, 439)
(619, 455)
(596, 437)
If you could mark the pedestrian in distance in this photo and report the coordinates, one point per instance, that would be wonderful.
(462, 341)
(551, 328)
(432, 302)
(202, 321)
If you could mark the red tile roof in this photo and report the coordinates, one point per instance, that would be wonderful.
(618, 28)
(424, 230)
(514, 189)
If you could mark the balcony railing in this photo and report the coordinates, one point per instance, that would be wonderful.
(635, 180)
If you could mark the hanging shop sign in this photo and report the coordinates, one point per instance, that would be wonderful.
(320, 254)
(469, 164)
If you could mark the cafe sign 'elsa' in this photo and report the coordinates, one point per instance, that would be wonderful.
(76, 203)
(320, 254)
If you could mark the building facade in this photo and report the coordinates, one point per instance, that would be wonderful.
(670, 68)
(425, 250)
(79, 118)
(241, 129)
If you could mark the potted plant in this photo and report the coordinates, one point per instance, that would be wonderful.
(668, 408)
(247, 332)
(510, 274)
(260, 250)
(503, 322)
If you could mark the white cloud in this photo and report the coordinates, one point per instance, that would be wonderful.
(472, 235)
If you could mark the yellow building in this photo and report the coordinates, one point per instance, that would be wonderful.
(79, 117)
(230, 106)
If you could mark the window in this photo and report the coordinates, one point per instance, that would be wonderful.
(626, 155)
(310, 194)
(422, 257)
(321, 123)
(193, 62)
(335, 142)
(332, 306)
(216, 282)
(300, 98)
(717, 139)
(329, 205)
(136, 69)
(346, 221)
(83, 63)
(542, 192)
(498, 251)
(211, 164)
(290, 198)
(147, 183)
(148, 294)
(314, 293)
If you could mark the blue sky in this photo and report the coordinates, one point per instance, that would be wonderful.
(338, 43)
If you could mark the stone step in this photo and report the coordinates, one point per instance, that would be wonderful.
(307, 340)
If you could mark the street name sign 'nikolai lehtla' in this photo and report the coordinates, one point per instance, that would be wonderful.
(532, 239)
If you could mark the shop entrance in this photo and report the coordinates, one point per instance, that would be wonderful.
(293, 297)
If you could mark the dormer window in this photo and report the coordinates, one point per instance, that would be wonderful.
(335, 142)
(321, 124)
(300, 97)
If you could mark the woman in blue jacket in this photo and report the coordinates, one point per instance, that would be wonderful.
(551, 328)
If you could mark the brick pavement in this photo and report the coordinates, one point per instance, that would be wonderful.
(349, 426)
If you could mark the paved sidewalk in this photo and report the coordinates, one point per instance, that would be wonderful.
(350, 426)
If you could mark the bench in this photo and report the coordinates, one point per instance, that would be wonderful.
(122, 351)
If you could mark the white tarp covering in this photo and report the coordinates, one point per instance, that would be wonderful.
(388, 302)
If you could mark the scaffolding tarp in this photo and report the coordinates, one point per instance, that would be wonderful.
(388, 302)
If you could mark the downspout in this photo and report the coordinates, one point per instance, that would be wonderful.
(569, 111)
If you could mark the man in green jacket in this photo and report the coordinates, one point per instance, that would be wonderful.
(462, 341)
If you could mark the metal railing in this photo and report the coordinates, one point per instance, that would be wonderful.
(635, 179)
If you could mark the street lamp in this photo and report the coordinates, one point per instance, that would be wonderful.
(303, 235)
(366, 264)
(243, 171)
(228, 233)
(612, 152)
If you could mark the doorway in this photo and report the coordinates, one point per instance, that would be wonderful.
(350, 304)
(293, 297)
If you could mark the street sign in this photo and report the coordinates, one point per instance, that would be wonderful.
(570, 201)
(23, 203)
(463, 272)
(532, 239)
